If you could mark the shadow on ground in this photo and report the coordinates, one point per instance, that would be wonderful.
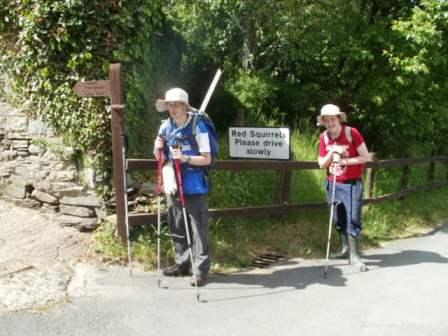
(292, 278)
(404, 258)
(297, 277)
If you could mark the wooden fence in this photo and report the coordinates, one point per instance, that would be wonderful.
(285, 169)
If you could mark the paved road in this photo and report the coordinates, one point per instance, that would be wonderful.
(405, 293)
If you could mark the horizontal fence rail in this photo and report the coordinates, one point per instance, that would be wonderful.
(136, 219)
(145, 164)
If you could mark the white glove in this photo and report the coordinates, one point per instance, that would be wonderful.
(338, 149)
(336, 158)
(169, 178)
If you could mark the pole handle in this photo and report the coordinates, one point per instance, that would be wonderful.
(179, 182)
(159, 172)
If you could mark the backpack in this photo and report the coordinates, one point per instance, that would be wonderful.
(211, 130)
(348, 135)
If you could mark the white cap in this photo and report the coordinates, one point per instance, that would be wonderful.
(172, 95)
(331, 110)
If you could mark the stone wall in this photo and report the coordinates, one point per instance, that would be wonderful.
(38, 171)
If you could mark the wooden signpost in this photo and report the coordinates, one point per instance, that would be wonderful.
(112, 88)
(99, 88)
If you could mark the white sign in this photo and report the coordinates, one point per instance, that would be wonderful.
(271, 143)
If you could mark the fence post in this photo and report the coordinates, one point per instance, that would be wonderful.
(117, 101)
(284, 186)
(431, 169)
(370, 177)
(404, 181)
(446, 166)
(241, 117)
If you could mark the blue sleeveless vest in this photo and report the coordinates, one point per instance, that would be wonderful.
(194, 179)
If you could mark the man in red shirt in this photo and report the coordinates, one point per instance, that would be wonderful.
(343, 152)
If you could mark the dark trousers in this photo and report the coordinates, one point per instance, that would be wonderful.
(348, 205)
(198, 218)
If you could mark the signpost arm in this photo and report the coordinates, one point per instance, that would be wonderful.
(117, 101)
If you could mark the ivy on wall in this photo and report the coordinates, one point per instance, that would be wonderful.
(47, 46)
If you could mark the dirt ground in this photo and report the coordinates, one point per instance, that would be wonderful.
(37, 257)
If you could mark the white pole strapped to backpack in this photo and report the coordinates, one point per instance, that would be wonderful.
(210, 91)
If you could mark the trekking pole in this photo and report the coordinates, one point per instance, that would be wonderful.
(124, 145)
(184, 212)
(158, 191)
(333, 192)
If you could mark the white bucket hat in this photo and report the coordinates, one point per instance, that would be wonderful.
(171, 96)
(331, 110)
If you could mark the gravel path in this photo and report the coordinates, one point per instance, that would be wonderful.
(37, 257)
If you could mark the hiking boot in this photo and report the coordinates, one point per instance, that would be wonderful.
(344, 252)
(176, 270)
(201, 280)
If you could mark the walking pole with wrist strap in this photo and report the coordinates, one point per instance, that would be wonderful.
(125, 168)
(333, 192)
(336, 170)
(158, 191)
(184, 212)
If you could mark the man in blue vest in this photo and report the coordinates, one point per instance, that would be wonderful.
(178, 141)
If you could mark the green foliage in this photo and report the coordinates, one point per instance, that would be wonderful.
(108, 244)
(235, 242)
(246, 189)
(255, 94)
(239, 189)
(412, 216)
(47, 46)
(307, 185)
(55, 147)
(382, 62)
(143, 245)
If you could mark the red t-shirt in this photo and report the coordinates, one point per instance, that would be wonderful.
(352, 171)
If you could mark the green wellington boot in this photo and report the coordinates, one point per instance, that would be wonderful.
(343, 253)
(355, 259)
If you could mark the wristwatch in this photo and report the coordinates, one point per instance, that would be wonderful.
(188, 158)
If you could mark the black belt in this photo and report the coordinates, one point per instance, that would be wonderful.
(351, 181)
